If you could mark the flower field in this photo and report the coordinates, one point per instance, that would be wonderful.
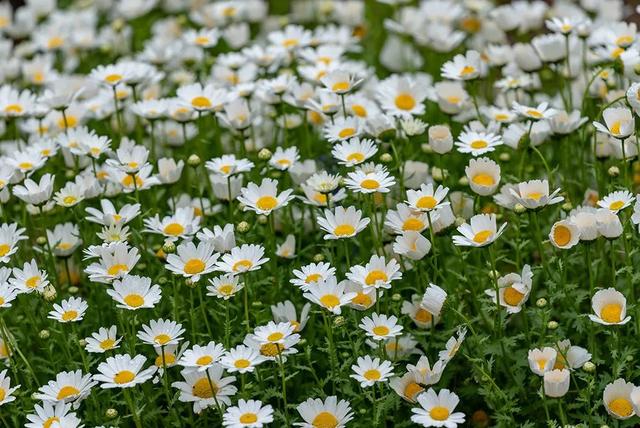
(319, 213)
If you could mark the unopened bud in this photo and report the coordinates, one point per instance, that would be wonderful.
(426, 148)
(463, 181)
(243, 227)
(111, 413)
(73, 290)
(262, 219)
(338, 321)
(49, 293)
(44, 334)
(504, 157)
(567, 206)
(190, 283)
(552, 325)
(589, 367)
(436, 173)
(162, 280)
(396, 297)
(193, 160)
(169, 247)
(386, 158)
(82, 342)
(460, 221)
(318, 258)
(264, 154)
(541, 302)
(614, 171)
(519, 208)
(42, 240)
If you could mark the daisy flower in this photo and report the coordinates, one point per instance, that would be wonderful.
(282, 159)
(249, 413)
(542, 360)
(329, 294)
(10, 235)
(69, 387)
(426, 199)
(246, 258)
(376, 273)
(241, 359)
(534, 194)
(264, 199)
(135, 292)
(433, 299)
(276, 338)
(541, 111)
(286, 312)
(206, 389)
(342, 223)
(406, 386)
(327, 413)
(483, 175)
(8, 293)
(342, 129)
(412, 245)
(513, 289)
(564, 234)
(617, 399)
(6, 391)
(610, 307)
(116, 261)
(420, 316)
(122, 371)
(200, 358)
(481, 231)
(161, 332)
(370, 371)
(52, 415)
(30, 278)
(354, 151)
(192, 261)
(477, 142)
(103, 340)
(437, 410)
(228, 165)
(618, 122)
(108, 215)
(182, 225)
(569, 356)
(556, 383)
(311, 274)
(69, 310)
(201, 98)
(424, 373)
(362, 181)
(402, 96)
(453, 345)
(340, 81)
(405, 219)
(616, 201)
(225, 286)
(380, 327)
(464, 67)
(35, 193)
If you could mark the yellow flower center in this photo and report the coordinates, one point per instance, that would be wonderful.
(67, 391)
(372, 374)
(500, 117)
(314, 277)
(162, 339)
(127, 181)
(25, 165)
(124, 376)
(439, 413)
(169, 359)
(242, 363)
(426, 202)
(330, 301)
(621, 407)
(226, 289)
(467, 70)
(362, 299)
(266, 203)
(194, 266)
(201, 40)
(69, 315)
(370, 184)
(271, 349)
(412, 389)
(72, 121)
(483, 179)
(3, 394)
(512, 296)
(134, 300)
(359, 110)
(611, 313)
(201, 102)
(423, 316)
(616, 205)
(275, 337)
(33, 281)
(344, 230)
(202, 388)
(624, 41)
(405, 101)
(340, 87)
(226, 169)
(346, 132)
(325, 420)
(4, 249)
(535, 196)
(413, 223)
(117, 269)
(374, 276)
(204, 360)
(174, 229)
(561, 235)
(107, 344)
(242, 265)
(482, 236)
(50, 421)
(478, 144)
(248, 418)
(69, 200)
(380, 330)
(289, 43)
(13, 109)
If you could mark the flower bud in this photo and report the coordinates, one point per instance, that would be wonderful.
(82, 342)
(42, 240)
(460, 221)
(73, 290)
(440, 139)
(193, 160)
(396, 297)
(614, 171)
(169, 247)
(463, 181)
(552, 325)
(338, 321)
(504, 157)
(111, 413)
(256, 303)
(589, 367)
(519, 208)
(162, 280)
(541, 302)
(49, 293)
(426, 148)
(567, 206)
(69, 174)
(386, 158)
(318, 258)
(436, 173)
(262, 219)
(243, 227)
(44, 334)
(190, 283)
(264, 154)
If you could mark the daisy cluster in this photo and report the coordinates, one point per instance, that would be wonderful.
(319, 213)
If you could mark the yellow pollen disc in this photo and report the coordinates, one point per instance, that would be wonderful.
(359, 110)
(127, 181)
(173, 229)
(621, 407)
(241, 363)
(45, 152)
(356, 157)
(284, 162)
(566, 28)
(4, 249)
(561, 235)
(560, 362)
(202, 389)
(67, 391)
(325, 420)
(242, 265)
(69, 200)
(49, 422)
(229, 12)
(25, 165)
(107, 344)
(289, 43)
(624, 41)
(478, 144)
(69, 315)
(482, 236)
(534, 195)
(374, 276)
(471, 24)
(204, 360)
(344, 230)
(2, 302)
(124, 376)
(346, 132)
(380, 330)
(248, 418)
(412, 389)
(169, 359)
(320, 198)
(467, 70)
(33, 281)
(453, 99)
(534, 113)
(423, 316)
(413, 223)
(330, 300)
(201, 40)
(266, 203)
(611, 313)
(315, 117)
(340, 87)
(113, 78)
(134, 300)
(117, 269)
(194, 266)
(362, 299)
(55, 42)
(225, 169)
(426, 202)
(439, 413)
(405, 101)
(275, 337)
(500, 117)
(3, 394)
(72, 121)
(271, 349)
(369, 184)
(371, 374)
(483, 179)
(201, 102)
(512, 296)
(616, 205)
(13, 109)
(314, 277)
(226, 289)
(615, 127)
(162, 339)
